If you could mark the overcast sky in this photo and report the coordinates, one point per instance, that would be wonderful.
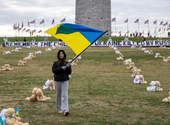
(18, 11)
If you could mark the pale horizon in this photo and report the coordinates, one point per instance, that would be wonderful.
(18, 11)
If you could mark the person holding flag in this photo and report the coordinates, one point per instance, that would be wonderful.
(61, 69)
(78, 38)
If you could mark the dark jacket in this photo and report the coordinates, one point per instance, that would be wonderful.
(59, 73)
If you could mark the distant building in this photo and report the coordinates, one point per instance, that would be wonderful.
(95, 14)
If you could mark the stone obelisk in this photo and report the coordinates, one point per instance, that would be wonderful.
(94, 10)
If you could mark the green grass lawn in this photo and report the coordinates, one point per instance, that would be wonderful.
(101, 90)
(135, 39)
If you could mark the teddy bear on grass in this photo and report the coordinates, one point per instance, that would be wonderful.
(49, 85)
(135, 72)
(164, 47)
(117, 51)
(140, 47)
(143, 49)
(158, 55)
(37, 95)
(119, 58)
(115, 48)
(136, 80)
(150, 52)
(53, 47)
(127, 61)
(133, 46)
(142, 81)
(7, 67)
(21, 63)
(79, 57)
(135, 68)
(161, 47)
(24, 60)
(166, 59)
(131, 65)
(40, 96)
(1, 46)
(52, 85)
(16, 49)
(155, 87)
(33, 97)
(139, 79)
(47, 49)
(120, 54)
(31, 55)
(6, 52)
(146, 51)
(9, 117)
(38, 52)
(155, 83)
(166, 99)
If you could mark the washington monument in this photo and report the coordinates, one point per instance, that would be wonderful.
(94, 10)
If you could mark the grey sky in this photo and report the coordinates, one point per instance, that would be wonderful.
(14, 11)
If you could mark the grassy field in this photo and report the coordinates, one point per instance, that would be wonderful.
(101, 91)
(135, 39)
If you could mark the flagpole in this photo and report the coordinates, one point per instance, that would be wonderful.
(35, 28)
(26, 28)
(16, 31)
(138, 26)
(127, 25)
(18, 28)
(162, 30)
(54, 21)
(44, 26)
(88, 46)
(160, 34)
(148, 25)
(22, 27)
(156, 28)
(115, 27)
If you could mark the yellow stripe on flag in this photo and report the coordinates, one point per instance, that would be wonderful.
(71, 39)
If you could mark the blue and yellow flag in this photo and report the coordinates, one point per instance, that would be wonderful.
(1, 122)
(17, 112)
(77, 37)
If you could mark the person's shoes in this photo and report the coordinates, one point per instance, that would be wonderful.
(66, 113)
(60, 111)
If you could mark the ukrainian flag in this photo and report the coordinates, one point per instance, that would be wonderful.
(77, 37)
(17, 112)
(1, 122)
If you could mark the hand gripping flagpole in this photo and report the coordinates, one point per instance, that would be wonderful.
(88, 46)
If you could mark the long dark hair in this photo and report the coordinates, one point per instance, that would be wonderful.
(61, 61)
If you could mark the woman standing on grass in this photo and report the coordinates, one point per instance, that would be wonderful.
(61, 70)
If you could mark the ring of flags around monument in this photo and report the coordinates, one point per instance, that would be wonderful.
(88, 19)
